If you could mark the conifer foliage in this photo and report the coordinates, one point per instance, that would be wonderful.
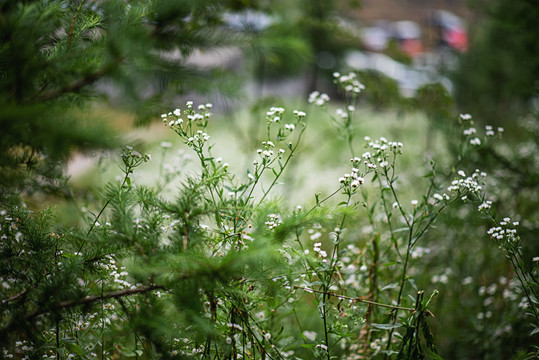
(57, 55)
(220, 269)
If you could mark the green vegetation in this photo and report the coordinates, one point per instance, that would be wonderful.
(365, 226)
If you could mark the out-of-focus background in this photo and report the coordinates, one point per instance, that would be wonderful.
(80, 79)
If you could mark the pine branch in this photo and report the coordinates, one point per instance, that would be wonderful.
(18, 295)
(24, 292)
(92, 299)
(73, 23)
(78, 85)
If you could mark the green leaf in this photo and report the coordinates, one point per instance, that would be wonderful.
(386, 326)
(390, 286)
(431, 354)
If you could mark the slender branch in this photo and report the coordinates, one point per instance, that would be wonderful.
(19, 295)
(283, 167)
(77, 85)
(324, 199)
(24, 292)
(394, 314)
(73, 23)
(92, 299)
(354, 299)
(127, 172)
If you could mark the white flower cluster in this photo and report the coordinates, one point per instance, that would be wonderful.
(300, 114)
(353, 274)
(198, 139)
(318, 99)
(348, 83)
(275, 114)
(383, 145)
(437, 197)
(273, 221)
(379, 152)
(350, 181)
(289, 127)
(322, 346)
(266, 152)
(310, 335)
(83, 322)
(174, 117)
(489, 130)
(319, 251)
(187, 351)
(175, 120)
(470, 184)
(506, 231)
(343, 113)
(373, 159)
(485, 205)
(235, 326)
(119, 277)
(443, 278)
(471, 131)
(376, 346)
(418, 252)
(23, 346)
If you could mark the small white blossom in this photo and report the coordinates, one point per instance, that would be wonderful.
(318, 99)
(475, 141)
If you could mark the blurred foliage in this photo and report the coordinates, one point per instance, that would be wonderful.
(395, 52)
(497, 79)
(320, 24)
(383, 93)
(57, 55)
(497, 82)
(189, 288)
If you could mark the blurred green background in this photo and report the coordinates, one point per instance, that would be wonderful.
(80, 79)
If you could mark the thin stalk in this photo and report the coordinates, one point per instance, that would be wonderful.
(394, 193)
(525, 287)
(127, 172)
(402, 282)
(517, 265)
(324, 317)
(390, 225)
(57, 338)
(354, 299)
(319, 203)
(283, 166)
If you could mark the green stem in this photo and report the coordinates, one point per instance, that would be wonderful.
(355, 299)
(401, 288)
(127, 172)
